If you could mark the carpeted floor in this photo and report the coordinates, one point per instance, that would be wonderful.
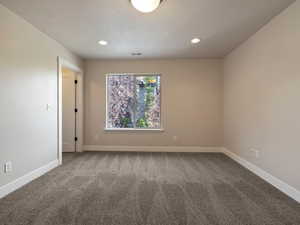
(148, 188)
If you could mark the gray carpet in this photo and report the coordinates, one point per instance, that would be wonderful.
(148, 188)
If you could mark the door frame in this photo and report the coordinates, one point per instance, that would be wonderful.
(63, 63)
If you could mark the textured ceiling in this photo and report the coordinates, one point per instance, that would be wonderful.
(165, 33)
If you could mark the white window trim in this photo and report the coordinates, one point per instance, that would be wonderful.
(106, 128)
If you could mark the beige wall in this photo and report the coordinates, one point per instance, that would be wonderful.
(28, 81)
(262, 96)
(191, 103)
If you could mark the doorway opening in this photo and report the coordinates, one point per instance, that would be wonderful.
(70, 108)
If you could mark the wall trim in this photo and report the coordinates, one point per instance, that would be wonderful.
(279, 184)
(67, 147)
(122, 148)
(21, 181)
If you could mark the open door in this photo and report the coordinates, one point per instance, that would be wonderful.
(69, 110)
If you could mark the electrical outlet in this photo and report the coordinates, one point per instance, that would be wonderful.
(8, 167)
(255, 152)
(48, 107)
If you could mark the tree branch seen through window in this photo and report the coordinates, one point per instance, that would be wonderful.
(133, 102)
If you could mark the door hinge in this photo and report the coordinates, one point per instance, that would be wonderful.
(76, 139)
(76, 110)
(76, 81)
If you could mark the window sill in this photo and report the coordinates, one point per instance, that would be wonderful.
(132, 129)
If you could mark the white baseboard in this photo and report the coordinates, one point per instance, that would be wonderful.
(68, 147)
(279, 184)
(21, 181)
(107, 148)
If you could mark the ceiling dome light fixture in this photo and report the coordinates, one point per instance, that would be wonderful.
(146, 6)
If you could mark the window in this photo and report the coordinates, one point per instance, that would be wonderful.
(133, 102)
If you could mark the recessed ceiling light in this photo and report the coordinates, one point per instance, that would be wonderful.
(195, 41)
(145, 6)
(102, 42)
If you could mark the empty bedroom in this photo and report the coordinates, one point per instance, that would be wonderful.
(150, 112)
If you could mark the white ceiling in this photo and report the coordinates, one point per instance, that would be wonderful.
(165, 33)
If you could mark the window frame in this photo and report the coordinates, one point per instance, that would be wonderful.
(106, 128)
